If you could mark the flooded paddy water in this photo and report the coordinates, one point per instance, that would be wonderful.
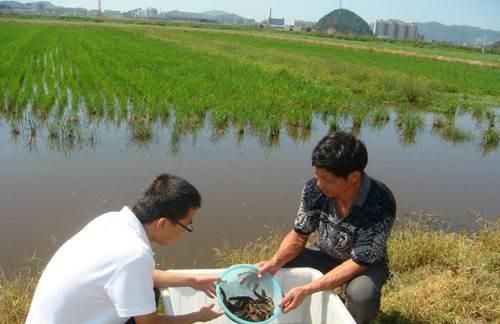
(51, 186)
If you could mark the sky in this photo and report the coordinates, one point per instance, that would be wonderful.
(479, 13)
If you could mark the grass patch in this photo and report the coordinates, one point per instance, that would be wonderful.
(16, 291)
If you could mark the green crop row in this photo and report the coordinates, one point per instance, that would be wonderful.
(251, 82)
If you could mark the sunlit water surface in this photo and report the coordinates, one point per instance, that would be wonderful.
(48, 192)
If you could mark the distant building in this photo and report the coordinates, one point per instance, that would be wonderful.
(276, 22)
(142, 13)
(151, 13)
(396, 29)
(234, 20)
(303, 25)
(112, 13)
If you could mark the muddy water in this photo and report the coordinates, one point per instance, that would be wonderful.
(47, 195)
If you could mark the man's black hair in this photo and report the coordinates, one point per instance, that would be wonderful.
(168, 196)
(340, 153)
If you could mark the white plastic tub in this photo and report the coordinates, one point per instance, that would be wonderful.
(321, 308)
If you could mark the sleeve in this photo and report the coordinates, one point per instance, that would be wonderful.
(131, 288)
(371, 241)
(307, 219)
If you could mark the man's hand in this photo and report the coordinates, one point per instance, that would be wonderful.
(207, 313)
(205, 284)
(290, 247)
(267, 266)
(293, 299)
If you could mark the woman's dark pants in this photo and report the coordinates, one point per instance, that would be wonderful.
(363, 292)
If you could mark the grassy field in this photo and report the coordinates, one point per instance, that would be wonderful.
(437, 276)
(56, 73)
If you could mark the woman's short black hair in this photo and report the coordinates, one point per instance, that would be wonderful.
(340, 153)
(168, 196)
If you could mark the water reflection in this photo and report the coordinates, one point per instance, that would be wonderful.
(76, 127)
(250, 177)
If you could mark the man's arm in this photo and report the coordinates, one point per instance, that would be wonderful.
(165, 279)
(333, 279)
(290, 247)
(205, 314)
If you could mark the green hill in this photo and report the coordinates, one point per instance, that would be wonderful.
(495, 45)
(344, 21)
(469, 35)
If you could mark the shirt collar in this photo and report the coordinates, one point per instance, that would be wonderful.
(363, 191)
(134, 223)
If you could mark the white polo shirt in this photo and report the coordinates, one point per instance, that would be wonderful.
(103, 274)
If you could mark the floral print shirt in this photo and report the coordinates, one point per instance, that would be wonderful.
(362, 234)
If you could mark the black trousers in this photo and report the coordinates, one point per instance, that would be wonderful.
(157, 300)
(363, 292)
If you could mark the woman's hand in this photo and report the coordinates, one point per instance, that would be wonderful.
(293, 299)
(208, 313)
(205, 284)
(267, 266)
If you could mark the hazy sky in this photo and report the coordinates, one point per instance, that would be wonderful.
(480, 13)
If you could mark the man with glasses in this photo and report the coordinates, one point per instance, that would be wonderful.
(353, 216)
(106, 272)
(189, 227)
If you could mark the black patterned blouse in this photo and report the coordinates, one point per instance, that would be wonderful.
(362, 234)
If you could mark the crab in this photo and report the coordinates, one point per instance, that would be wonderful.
(250, 309)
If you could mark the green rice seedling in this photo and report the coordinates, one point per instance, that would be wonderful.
(274, 127)
(53, 129)
(15, 128)
(359, 112)
(141, 131)
(450, 108)
(332, 123)
(491, 137)
(413, 90)
(409, 124)
(454, 134)
(491, 118)
(220, 121)
(62, 102)
(439, 123)
(379, 115)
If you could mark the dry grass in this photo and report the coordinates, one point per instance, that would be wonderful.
(441, 277)
(16, 291)
(260, 249)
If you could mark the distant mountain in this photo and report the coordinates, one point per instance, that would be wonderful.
(47, 8)
(475, 36)
(40, 7)
(344, 21)
(213, 15)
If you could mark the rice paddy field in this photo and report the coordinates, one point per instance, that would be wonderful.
(59, 75)
(237, 111)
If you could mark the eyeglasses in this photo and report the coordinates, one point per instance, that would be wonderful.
(189, 227)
